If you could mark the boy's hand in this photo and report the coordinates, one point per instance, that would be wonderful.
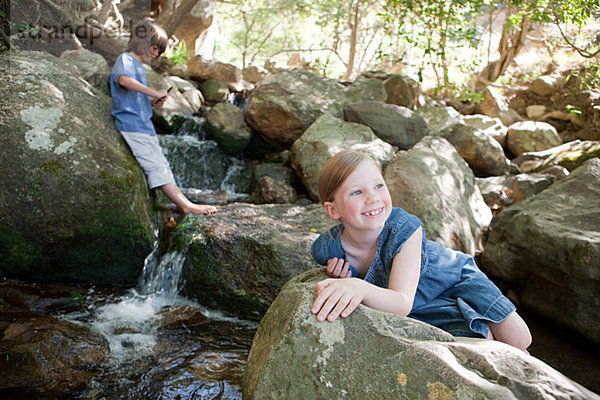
(160, 99)
(337, 268)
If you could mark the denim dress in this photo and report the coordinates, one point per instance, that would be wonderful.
(452, 293)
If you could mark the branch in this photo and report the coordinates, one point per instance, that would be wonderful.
(582, 52)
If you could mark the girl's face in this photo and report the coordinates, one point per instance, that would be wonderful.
(363, 201)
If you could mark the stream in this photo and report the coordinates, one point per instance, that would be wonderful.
(200, 353)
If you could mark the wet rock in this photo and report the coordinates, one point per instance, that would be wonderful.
(548, 245)
(181, 316)
(50, 357)
(225, 124)
(325, 138)
(214, 91)
(239, 259)
(73, 197)
(393, 124)
(433, 182)
(294, 356)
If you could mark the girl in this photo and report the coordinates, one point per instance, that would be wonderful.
(382, 259)
(132, 111)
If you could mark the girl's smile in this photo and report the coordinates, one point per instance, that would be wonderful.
(363, 201)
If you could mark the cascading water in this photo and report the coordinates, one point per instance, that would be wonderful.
(148, 360)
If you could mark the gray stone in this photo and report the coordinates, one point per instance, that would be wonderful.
(550, 245)
(327, 137)
(433, 182)
(74, 201)
(375, 355)
(530, 136)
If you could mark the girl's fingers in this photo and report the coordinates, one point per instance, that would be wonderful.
(323, 292)
(354, 302)
(345, 270)
(339, 307)
(329, 304)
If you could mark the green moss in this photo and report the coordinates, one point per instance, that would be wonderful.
(17, 255)
(53, 167)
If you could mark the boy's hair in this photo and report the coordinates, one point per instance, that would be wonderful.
(146, 34)
(337, 169)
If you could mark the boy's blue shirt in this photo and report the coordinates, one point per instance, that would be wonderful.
(132, 110)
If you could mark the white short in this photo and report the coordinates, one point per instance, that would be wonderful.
(149, 155)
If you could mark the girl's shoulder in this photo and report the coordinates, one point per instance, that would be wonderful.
(328, 245)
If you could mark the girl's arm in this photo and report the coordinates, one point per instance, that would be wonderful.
(132, 84)
(337, 297)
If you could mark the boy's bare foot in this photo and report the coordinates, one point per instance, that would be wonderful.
(203, 209)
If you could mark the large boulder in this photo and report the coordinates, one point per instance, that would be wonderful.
(202, 70)
(549, 244)
(433, 182)
(375, 355)
(284, 105)
(91, 66)
(239, 259)
(527, 136)
(483, 153)
(439, 117)
(327, 137)
(74, 204)
(225, 124)
(394, 124)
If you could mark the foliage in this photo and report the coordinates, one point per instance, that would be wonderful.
(179, 54)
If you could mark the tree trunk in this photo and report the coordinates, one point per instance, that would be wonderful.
(353, 40)
(173, 12)
(511, 43)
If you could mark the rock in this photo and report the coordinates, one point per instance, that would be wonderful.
(270, 190)
(197, 21)
(214, 91)
(327, 137)
(376, 355)
(285, 104)
(484, 155)
(571, 155)
(493, 103)
(439, 117)
(490, 126)
(545, 85)
(175, 105)
(225, 124)
(74, 201)
(501, 191)
(180, 316)
(530, 136)
(238, 260)
(48, 358)
(253, 74)
(91, 66)
(201, 70)
(402, 91)
(195, 163)
(194, 98)
(433, 182)
(535, 111)
(393, 124)
(364, 89)
(548, 244)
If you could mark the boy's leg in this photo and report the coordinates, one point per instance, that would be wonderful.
(174, 194)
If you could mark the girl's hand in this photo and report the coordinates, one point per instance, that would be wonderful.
(337, 268)
(337, 297)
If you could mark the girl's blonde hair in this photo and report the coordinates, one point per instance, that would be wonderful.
(337, 169)
(146, 34)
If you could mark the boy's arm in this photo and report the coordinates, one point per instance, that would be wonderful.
(132, 84)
